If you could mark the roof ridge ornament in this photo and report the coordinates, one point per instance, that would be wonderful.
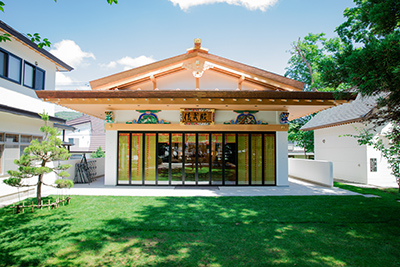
(197, 67)
(197, 47)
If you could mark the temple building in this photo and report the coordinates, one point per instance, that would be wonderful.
(196, 119)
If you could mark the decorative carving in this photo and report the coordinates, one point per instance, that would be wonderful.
(197, 67)
(284, 118)
(245, 117)
(197, 116)
(109, 116)
(148, 117)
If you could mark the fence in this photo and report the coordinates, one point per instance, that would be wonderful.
(316, 171)
(50, 205)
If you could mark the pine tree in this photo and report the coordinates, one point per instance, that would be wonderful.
(35, 159)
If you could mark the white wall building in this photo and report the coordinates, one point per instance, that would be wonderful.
(351, 161)
(24, 69)
(195, 119)
(89, 134)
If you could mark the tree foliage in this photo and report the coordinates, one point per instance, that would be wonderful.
(370, 62)
(99, 153)
(34, 161)
(390, 151)
(309, 56)
(305, 139)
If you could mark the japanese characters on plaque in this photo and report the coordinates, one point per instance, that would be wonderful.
(197, 116)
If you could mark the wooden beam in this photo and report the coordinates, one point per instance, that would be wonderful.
(241, 79)
(200, 128)
(153, 80)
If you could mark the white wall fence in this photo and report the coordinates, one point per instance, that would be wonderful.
(8, 193)
(99, 166)
(315, 171)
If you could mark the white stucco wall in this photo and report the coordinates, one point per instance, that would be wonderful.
(351, 162)
(34, 58)
(81, 137)
(24, 100)
(349, 159)
(15, 124)
(110, 171)
(383, 176)
(316, 171)
(99, 166)
(282, 159)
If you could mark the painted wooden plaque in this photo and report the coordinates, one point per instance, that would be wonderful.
(197, 116)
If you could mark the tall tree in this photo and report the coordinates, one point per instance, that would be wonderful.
(306, 63)
(304, 139)
(370, 62)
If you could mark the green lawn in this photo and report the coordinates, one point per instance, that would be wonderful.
(207, 231)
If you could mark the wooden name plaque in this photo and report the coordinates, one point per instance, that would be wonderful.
(200, 116)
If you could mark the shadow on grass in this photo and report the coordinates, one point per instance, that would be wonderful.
(226, 231)
(25, 237)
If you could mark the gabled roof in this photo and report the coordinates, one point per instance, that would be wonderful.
(268, 80)
(122, 91)
(355, 111)
(26, 41)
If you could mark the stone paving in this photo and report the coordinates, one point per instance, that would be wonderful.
(97, 188)
(295, 188)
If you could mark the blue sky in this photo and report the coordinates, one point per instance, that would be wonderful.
(98, 39)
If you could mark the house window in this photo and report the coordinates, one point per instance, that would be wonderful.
(10, 66)
(12, 146)
(373, 165)
(33, 77)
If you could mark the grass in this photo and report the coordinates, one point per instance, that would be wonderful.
(207, 231)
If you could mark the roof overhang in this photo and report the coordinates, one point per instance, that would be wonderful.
(64, 126)
(61, 66)
(29, 114)
(95, 102)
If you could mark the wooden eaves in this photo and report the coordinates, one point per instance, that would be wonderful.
(157, 69)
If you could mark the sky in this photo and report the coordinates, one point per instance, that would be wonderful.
(98, 39)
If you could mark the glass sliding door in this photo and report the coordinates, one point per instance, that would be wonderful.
(269, 159)
(243, 159)
(176, 159)
(230, 159)
(190, 158)
(256, 159)
(150, 159)
(203, 159)
(123, 158)
(163, 159)
(216, 159)
(137, 159)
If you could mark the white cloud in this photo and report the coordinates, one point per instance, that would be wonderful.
(62, 79)
(262, 5)
(129, 62)
(63, 82)
(69, 52)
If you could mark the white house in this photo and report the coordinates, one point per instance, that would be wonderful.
(24, 69)
(195, 119)
(89, 134)
(351, 161)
